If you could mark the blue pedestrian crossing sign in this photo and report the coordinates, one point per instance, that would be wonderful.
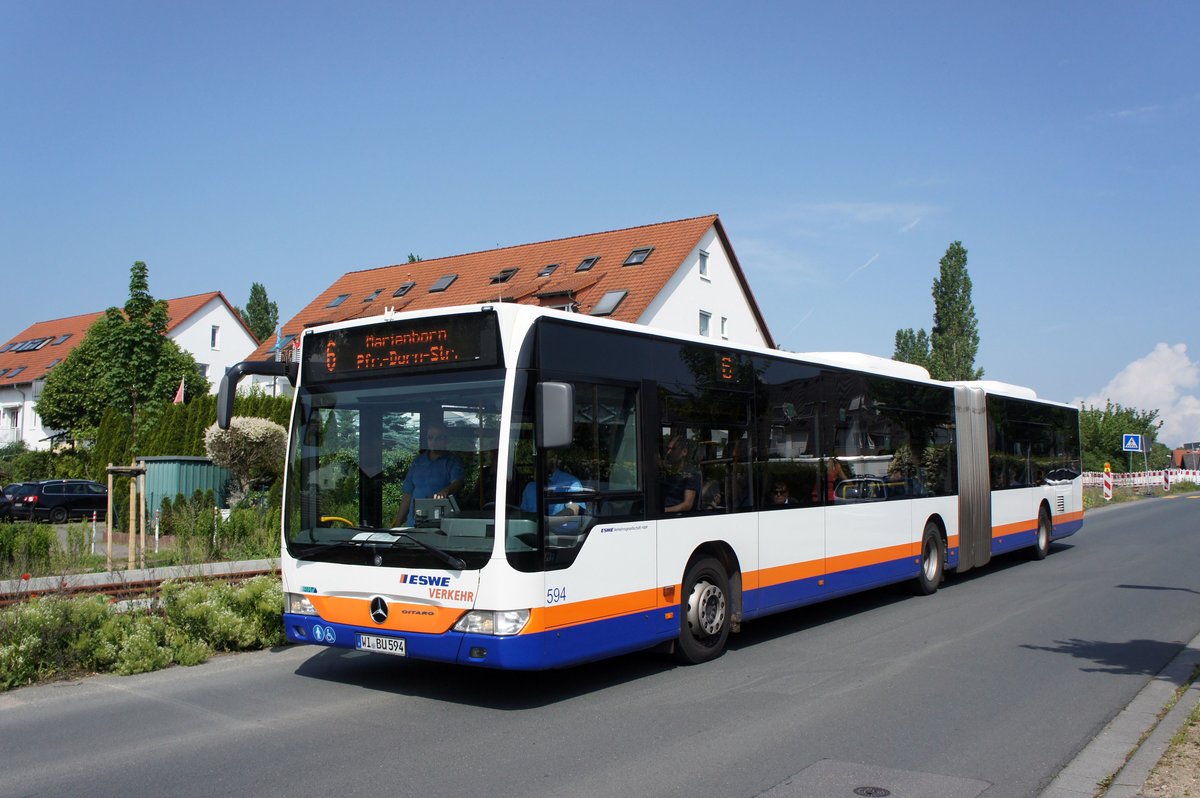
(1131, 443)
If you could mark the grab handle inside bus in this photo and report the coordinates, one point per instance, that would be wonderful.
(228, 389)
(555, 414)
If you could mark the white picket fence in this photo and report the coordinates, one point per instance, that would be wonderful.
(1142, 479)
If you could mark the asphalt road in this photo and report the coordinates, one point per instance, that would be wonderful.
(987, 688)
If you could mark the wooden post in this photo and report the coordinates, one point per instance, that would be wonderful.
(132, 518)
(108, 524)
(142, 524)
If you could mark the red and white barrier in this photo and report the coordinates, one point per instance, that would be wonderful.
(1143, 479)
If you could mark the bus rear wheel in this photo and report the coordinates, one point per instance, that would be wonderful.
(933, 560)
(705, 612)
(1041, 546)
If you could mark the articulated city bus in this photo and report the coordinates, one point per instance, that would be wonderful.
(610, 488)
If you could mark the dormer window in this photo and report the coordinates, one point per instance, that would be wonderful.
(608, 303)
(371, 296)
(587, 263)
(404, 289)
(504, 276)
(548, 270)
(443, 283)
(339, 300)
(638, 256)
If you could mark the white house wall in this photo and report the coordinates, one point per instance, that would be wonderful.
(677, 307)
(194, 335)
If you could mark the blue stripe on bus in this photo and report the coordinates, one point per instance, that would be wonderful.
(787, 595)
(550, 649)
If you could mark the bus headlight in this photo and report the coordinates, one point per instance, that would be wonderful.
(489, 622)
(298, 604)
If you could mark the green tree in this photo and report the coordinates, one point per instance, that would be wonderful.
(125, 362)
(954, 339)
(260, 314)
(253, 449)
(1102, 431)
(912, 347)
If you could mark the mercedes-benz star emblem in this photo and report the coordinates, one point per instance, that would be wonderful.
(378, 610)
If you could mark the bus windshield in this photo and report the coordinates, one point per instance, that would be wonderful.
(395, 471)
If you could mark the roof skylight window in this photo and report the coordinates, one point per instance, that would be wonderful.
(60, 339)
(16, 371)
(504, 276)
(339, 300)
(442, 283)
(608, 303)
(404, 289)
(371, 296)
(548, 270)
(3, 371)
(587, 263)
(638, 256)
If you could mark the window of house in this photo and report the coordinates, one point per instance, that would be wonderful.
(53, 363)
(12, 417)
(638, 256)
(3, 371)
(404, 289)
(703, 265)
(8, 347)
(548, 270)
(60, 339)
(338, 300)
(15, 371)
(705, 321)
(371, 296)
(216, 336)
(443, 282)
(503, 276)
(608, 303)
(203, 369)
(724, 326)
(587, 263)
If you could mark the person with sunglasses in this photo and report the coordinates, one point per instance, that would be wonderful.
(434, 474)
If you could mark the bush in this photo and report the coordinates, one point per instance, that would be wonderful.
(53, 636)
(25, 548)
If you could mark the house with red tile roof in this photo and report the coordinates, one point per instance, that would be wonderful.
(205, 325)
(681, 276)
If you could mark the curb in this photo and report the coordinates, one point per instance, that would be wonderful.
(1124, 753)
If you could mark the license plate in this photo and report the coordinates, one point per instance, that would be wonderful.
(383, 645)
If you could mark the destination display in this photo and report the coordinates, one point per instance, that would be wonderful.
(446, 342)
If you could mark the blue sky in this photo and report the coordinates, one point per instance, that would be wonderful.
(844, 146)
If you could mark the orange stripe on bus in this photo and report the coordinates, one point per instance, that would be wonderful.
(401, 617)
(605, 607)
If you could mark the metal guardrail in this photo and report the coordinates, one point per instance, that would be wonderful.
(121, 585)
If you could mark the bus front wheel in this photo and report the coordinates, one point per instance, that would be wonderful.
(705, 611)
(933, 560)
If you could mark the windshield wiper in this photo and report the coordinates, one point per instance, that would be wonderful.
(317, 548)
(443, 555)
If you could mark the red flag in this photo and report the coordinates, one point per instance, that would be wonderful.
(179, 393)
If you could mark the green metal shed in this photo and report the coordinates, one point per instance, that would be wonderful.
(168, 476)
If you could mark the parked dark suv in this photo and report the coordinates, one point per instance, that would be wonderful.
(59, 500)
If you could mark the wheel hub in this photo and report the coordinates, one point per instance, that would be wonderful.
(706, 609)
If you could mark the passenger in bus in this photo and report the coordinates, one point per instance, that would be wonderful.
(679, 482)
(558, 481)
(434, 474)
(781, 496)
(712, 497)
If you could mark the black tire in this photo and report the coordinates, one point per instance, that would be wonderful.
(704, 612)
(933, 560)
(1045, 527)
(58, 515)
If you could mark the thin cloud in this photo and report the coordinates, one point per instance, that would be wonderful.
(870, 260)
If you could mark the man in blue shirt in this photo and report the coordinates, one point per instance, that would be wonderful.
(557, 481)
(435, 473)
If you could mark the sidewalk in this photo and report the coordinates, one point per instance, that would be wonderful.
(1131, 745)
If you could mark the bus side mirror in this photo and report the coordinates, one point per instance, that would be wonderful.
(555, 414)
(228, 389)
